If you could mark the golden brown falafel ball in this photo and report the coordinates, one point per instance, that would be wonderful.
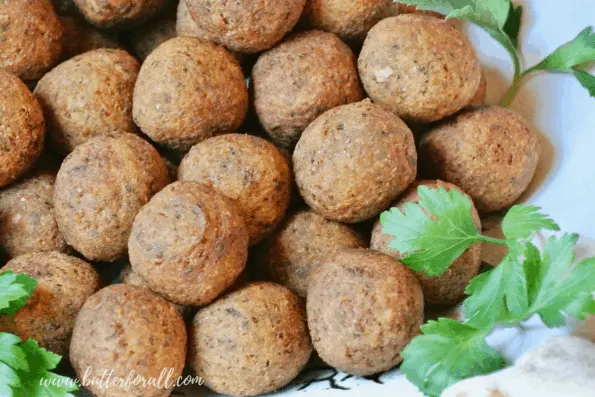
(246, 26)
(30, 38)
(22, 128)
(117, 14)
(449, 288)
(350, 20)
(189, 90)
(489, 152)
(302, 244)
(27, 221)
(189, 243)
(151, 35)
(63, 285)
(251, 341)
(353, 161)
(80, 37)
(124, 328)
(100, 188)
(364, 307)
(480, 95)
(250, 171)
(420, 67)
(89, 96)
(300, 79)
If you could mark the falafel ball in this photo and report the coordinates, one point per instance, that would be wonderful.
(22, 128)
(251, 341)
(118, 14)
(188, 90)
(63, 285)
(353, 161)
(250, 171)
(363, 307)
(300, 79)
(27, 221)
(449, 288)
(189, 243)
(301, 245)
(489, 152)
(30, 38)
(80, 37)
(100, 188)
(350, 20)
(246, 26)
(123, 329)
(420, 67)
(89, 96)
(412, 9)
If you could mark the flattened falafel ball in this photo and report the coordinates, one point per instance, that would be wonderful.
(30, 38)
(300, 79)
(250, 171)
(363, 307)
(22, 128)
(63, 285)
(302, 244)
(488, 151)
(123, 329)
(27, 221)
(353, 161)
(420, 67)
(100, 188)
(350, 20)
(89, 96)
(449, 288)
(117, 14)
(188, 90)
(246, 26)
(189, 243)
(266, 341)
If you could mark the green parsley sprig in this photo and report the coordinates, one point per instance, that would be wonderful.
(23, 365)
(502, 20)
(433, 232)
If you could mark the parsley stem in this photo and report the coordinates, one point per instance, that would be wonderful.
(512, 91)
(492, 240)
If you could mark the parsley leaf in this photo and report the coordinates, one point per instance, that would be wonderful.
(571, 54)
(24, 365)
(512, 27)
(448, 351)
(41, 361)
(587, 80)
(431, 243)
(559, 287)
(14, 291)
(522, 221)
(499, 293)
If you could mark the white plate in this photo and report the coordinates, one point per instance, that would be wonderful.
(564, 114)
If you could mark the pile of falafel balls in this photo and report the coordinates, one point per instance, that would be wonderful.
(291, 123)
